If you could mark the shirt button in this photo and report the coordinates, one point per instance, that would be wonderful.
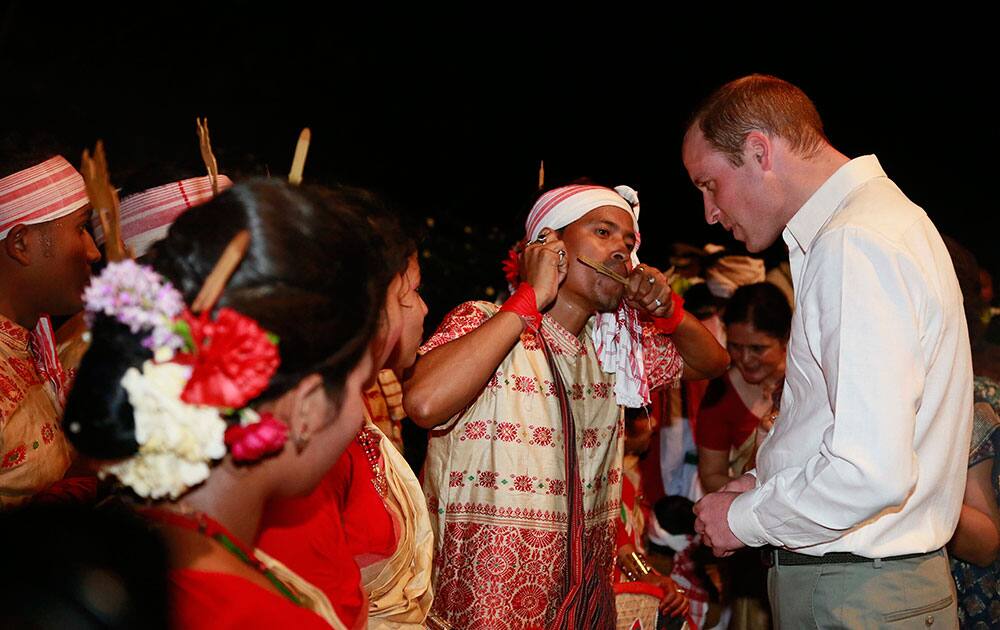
(930, 620)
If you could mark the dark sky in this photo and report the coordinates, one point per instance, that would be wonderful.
(450, 121)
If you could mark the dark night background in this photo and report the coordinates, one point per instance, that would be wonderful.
(450, 121)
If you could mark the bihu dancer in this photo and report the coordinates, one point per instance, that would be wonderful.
(523, 472)
(205, 412)
(44, 267)
(364, 535)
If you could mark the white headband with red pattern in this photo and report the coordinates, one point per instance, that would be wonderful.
(42, 193)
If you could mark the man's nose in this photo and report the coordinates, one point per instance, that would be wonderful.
(93, 254)
(711, 210)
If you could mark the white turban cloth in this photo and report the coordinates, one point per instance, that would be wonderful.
(732, 272)
(147, 216)
(617, 336)
(45, 192)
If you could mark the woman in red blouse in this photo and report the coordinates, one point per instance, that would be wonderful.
(737, 411)
(364, 536)
(739, 406)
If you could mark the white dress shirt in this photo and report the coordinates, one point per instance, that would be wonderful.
(870, 451)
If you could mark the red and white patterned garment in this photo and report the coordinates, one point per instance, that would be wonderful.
(33, 450)
(497, 489)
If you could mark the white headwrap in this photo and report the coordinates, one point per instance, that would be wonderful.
(147, 216)
(732, 272)
(663, 538)
(617, 336)
(44, 192)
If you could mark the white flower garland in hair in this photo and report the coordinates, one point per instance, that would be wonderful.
(179, 424)
(177, 441)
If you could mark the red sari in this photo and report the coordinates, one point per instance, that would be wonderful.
(318, 536)
(210, 600)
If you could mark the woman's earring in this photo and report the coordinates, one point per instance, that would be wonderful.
(300, 439)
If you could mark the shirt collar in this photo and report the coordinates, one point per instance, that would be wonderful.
(814, 213)
(13, 336)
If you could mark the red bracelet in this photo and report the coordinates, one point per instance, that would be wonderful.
(525, 305)
(668, 325)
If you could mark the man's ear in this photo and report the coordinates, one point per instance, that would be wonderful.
(758, 149)
(16, 245)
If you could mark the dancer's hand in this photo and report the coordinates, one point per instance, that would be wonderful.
(648, 291)
(544, 266)
(675, 602)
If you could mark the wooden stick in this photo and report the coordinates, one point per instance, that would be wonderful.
(299, 161)
(104, 200)
(601, 269)
(617, 277)
(541, 175)
(206, 153)
(216, 281)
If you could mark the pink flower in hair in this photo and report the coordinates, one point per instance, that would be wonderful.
(252, 441)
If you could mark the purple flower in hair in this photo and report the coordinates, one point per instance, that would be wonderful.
(139, 298)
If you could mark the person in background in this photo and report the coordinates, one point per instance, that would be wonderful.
(45, 263)
(364, 536)
(672, 464)
(975, 544)
(676, 550)
(736, 413)
(630, 537)
(739, 407)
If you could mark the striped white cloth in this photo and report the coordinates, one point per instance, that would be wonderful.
(146, 216)
(617, 336)
(41, 193)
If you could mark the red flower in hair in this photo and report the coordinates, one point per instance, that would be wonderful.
(253, 441)
(512, 267)
(233, 360)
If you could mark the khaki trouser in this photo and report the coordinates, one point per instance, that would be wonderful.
(913, 593)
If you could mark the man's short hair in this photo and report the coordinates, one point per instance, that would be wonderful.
(759, 102)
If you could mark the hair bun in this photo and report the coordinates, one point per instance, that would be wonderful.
(102, 425)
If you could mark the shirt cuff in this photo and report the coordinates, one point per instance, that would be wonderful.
(744, 523)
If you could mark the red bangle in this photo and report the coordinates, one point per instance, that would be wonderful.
(524, 304)
(668, 325)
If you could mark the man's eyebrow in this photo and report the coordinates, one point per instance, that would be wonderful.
(614, 227)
